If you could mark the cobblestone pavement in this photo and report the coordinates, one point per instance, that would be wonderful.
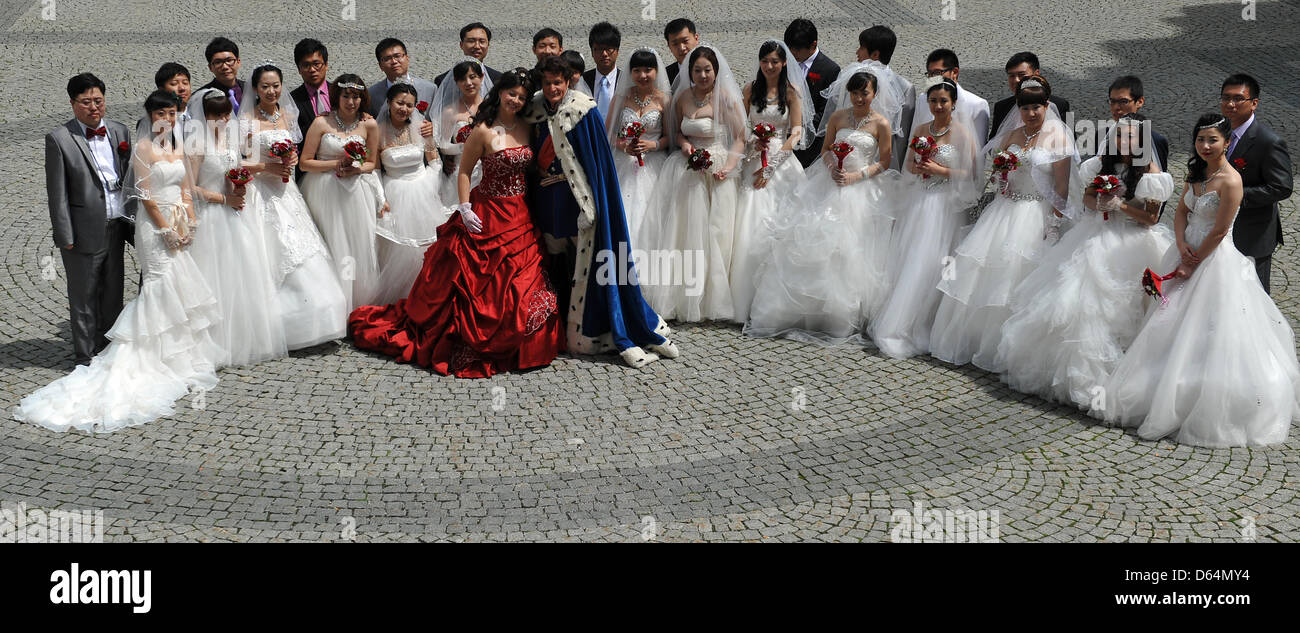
(738, 440)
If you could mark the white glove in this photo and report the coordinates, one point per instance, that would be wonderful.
(1110, 204)
(471, 220)
(171, 239)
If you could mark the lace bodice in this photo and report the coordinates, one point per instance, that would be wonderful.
(1200, 218)
(865, 148)
(778, 120)
(402, 161)
(652, 121)
(262, 142)
(503, 172)
(1020, 183)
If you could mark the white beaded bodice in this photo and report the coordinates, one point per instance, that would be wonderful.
(1200, 217)
(651, 121)
(779, 120)
(943, 154)
(866, 150)
(1020, 183)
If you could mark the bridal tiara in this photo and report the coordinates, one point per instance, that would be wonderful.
(352, 86)
(1221, 121)
(1030, 83)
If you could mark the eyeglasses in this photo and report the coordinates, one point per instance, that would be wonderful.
(1120, 102)
(392, 58)
(224, 61)
(317, 65)
(938, 71)
(1235, 99)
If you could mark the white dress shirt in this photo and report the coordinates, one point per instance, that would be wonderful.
(970, 107)
(101, 149)
(806, 65)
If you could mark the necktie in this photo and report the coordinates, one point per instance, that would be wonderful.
(602, 96)
(322, 102)
(1232, 144)
(99, 131)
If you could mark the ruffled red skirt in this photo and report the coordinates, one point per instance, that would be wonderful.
(482, 304)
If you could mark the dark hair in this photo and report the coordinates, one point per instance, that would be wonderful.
(491, 106)
(82, 83)
(643, 59)
(160, 99)
(758, 93)
(1196, 165)
(385, 44)
(336, 93)
(220, 45)
(306, 48)
(859, 80)
(1033, 95)
(1128, 82)
(706, 53)
(1242, 79)
(461, 70)
(1023, 58)
(216, 103)
(401, 88)
(800, 34)
(464, 30)
(604, 34)
(167, 71)
(949, 86)
(553, 64)
(1111, 160)
(879, 38)
(676, 26)
(574, 60)
(548, 32)
(262, 70)
(945, 55)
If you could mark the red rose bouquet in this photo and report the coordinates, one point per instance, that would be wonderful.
(283, 150)
(422, 106)
(841, 149)
(356, 150)
(699, 160)
(924, 146)
(633, 133)
(1107, 184)
(763, 133)
(1151, 283)
(1003, 164)
(462, 134)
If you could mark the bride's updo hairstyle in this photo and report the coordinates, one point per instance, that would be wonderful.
(706, 53)
(861, 80)
(947, 85)
(463, 69)
(349, 81)
(401, 88)
(216, 103)
(643, 59)
(491, 106)
(1196, 165)
(1037, 92)
(257, 77)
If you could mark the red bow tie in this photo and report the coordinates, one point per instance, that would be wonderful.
(100, 131)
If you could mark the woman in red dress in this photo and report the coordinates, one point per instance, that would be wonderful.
(482, 304)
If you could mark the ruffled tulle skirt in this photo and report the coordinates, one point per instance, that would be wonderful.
(687, 237)
(161, 348)
(230, 251)
(415, 211)
(637, 184)
(998, 253)
(1216, 366)
(345, 210)
(1074, 315)
(756, 210)
(923, 238)
(827, 270)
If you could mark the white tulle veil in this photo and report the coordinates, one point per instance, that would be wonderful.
(1055, 143)
(447, 105)
(623, 91)
(888, 101)
(287, 108)
(967, 176)
(727, 105)
(800, 87)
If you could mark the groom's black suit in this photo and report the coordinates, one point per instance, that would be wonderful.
(1265, 165)
(821, 75)
(92, 245)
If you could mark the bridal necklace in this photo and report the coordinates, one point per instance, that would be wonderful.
(640, 102)
(1029, 138)
(700, 103)
(270, 118)
(345, 128)
(937, 133)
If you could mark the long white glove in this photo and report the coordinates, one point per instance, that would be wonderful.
(471, 220)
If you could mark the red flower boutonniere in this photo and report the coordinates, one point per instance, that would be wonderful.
(814, 77)
(1239, 163)
(124, 147)
(422, 106)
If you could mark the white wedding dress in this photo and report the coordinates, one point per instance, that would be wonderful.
(826, 272)
(411, 224)
(929, 219)
(230, 251)
(758, 208)
(687, 234)
(311, 301)
(1216, 366)
(637, 182)
(1075, 314)
(345, 211)
(161, 344)
(1001, 249)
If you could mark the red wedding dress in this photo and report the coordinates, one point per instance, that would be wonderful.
(482, 303)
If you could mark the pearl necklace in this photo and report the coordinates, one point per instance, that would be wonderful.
(345, 128)
(270, 118)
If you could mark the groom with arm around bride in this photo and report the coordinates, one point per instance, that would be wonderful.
(86, 160)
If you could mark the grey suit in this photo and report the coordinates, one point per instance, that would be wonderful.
(79, 216)
(899, 141)
(379, 93)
